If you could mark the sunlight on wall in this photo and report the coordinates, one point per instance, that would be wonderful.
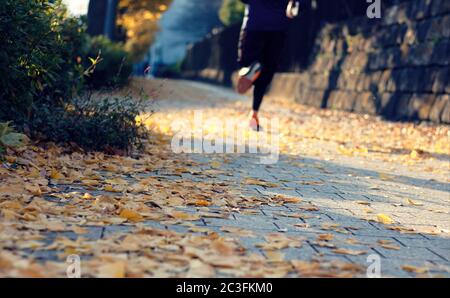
(77, 7)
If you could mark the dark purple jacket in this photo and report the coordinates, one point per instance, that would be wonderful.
(266, 15)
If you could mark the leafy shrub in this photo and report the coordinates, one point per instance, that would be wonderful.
(113, 67)
(43, 59)
(94, 123)
(37, 56)
(231, 12)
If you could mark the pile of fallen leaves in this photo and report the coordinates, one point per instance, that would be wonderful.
(46, 191)
(113, 210)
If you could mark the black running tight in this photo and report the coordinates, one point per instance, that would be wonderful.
(264, 47)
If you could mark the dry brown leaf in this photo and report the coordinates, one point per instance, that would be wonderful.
(414, 203)
(350, 252)
(325, 237)
(33, 189)
(112, 270)
(414, 269)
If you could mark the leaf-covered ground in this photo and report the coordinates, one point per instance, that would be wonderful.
(346, 187)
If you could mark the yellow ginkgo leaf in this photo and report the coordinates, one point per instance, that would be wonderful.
(202, 203)
(384, 219)
(113, 270)
(111, 188)
(130, 215)
(87, 196)
(54, 174)
(414, 203)
(184, 216)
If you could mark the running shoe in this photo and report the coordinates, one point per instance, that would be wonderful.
(247, 76)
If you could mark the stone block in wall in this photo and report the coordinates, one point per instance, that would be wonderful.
(389, 17)
(439, 28)
(397, 14)
(421, 30)
(341, 100)
(428, 79)
(394, 81)
(391, 36)
(373, 63)
(445, 116)
(360, 82)
(366, 103)
(361, 60)
(388, 102)
(418, 55)
(406, 80)
(370, 80)
(393, 57)
(419, 9)
(440, 7)
(441, 51)
(402, 110)
(439, 79)
(437, 110)
(383, 81)
(419, 106)
(312, 98)
(352, 80)
(285, 85)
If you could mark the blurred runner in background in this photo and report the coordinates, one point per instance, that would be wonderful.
(260, 44)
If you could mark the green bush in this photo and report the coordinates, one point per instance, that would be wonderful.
(94, 123)
(231, 12)
(113, 68)
(46, 61)
(37, 57)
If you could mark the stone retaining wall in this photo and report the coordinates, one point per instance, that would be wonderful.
(398, 67)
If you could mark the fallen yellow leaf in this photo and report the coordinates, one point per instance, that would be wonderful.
(87, 196)
(384, 219)
(54, 174)
(414, 269)
(130, 215)
(414, 203)
(349, 252)
(113, 270)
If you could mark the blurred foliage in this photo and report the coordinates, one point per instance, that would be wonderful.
(38, 57)
(107, 123)
(47, 61)
(113, 66)
(140, 18)
(231, 12)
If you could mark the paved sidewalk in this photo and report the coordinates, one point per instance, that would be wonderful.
(347, 191)
(346, 194)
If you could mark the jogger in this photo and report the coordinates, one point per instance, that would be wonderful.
(264, 47)
(261, 42)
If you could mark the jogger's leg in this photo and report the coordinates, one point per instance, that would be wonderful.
(251, 46)
(250, 53)
(270, 60)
